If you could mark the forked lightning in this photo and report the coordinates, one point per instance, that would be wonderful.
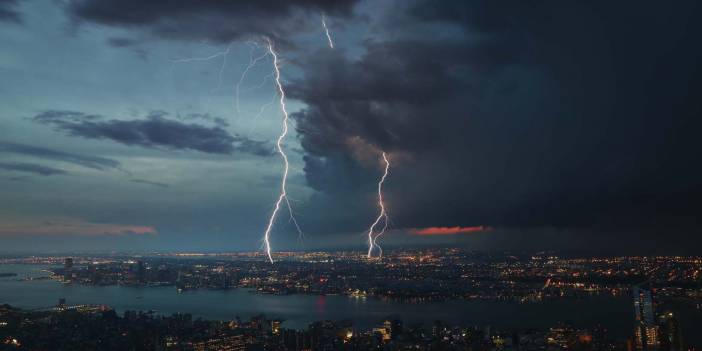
(382, 216)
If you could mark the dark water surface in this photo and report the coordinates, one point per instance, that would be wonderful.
(299, 310)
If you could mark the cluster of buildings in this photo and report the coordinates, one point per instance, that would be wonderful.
(82, 329)
(100, 327)
(410, 276)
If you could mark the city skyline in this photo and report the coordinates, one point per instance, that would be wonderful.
(420, 299)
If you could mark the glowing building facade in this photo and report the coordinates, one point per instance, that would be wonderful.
(646, 331)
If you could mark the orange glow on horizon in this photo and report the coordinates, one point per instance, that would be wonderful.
(450, 230)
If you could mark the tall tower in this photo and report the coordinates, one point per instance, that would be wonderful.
(646, 331)
(671, 334)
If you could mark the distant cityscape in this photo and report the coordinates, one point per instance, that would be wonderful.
(406, 276)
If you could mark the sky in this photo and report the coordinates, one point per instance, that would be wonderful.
(519, 125)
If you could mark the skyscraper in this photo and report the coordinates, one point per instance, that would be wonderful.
(646, 331)
(670, 333)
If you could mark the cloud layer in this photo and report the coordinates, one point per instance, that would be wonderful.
(218, 21)
(8, 11)
(30, 168)
(154, 131)
(94, 162)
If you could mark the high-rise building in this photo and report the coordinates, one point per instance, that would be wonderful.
(670, 333)
(646, 331)
(68, 263)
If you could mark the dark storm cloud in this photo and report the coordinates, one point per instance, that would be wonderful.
(8, 11)
(148, 182)
(532, 114)
(94, 162)
(30, 168)
(154, 131)
(219, 21)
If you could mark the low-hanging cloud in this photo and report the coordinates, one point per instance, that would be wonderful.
(31, 168)
(150, 182)
(94, 162)
(154, 131)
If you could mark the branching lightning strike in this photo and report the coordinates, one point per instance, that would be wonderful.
(283, 196)
(279, 146)
(275, 76)
(252, 64)
(372, 239)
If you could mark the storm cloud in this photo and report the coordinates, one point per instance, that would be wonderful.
(536, 114)
(154, 131)
(8, 11)
(217, 21)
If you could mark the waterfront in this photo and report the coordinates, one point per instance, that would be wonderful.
(299, 310)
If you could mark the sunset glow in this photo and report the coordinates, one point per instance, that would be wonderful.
(450, 230)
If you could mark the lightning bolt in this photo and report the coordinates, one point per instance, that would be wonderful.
(326, 30)
(279, 146)
(275, 76)
(372, 240)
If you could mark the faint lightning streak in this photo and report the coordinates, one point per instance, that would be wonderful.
(326, 30)
(221, 70)
(211, 57)
(381, 216)
(279, 145)
(224, 55)
(261, 84)
(259, 114)
(251, 65)
(292, 219)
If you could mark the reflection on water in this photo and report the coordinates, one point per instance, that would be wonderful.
(300, 310)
